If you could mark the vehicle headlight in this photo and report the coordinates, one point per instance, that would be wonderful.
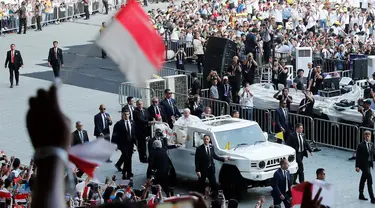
(291, 158)
(262, 164)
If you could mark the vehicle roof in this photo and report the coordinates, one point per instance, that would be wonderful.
(217, 125)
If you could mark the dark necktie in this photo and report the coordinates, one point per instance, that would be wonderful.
(208, 155)
(157, 110)
(128, 128)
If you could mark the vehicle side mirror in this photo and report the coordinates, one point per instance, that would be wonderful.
(265, 135)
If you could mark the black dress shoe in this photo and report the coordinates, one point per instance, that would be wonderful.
(130, 175)
(372, 201)
(125, 178)
(108, 161)
(11, 86)
(363, 198)
(317, 150)
(352, 158)
(118, 168)
(17, 84)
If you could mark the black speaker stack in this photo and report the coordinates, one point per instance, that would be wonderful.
(218, 56)
(360, 69)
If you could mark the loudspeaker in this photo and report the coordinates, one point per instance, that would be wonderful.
(218, 56)
(360, 69)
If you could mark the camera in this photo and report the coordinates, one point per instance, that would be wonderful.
(158, 133)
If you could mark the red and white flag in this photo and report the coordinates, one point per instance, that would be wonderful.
(21, 198)
(133, 43)
(5, 194)
(88, 156)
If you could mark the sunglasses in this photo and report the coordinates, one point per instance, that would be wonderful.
(102, 108)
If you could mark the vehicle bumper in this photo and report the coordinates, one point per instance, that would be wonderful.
(266, 175)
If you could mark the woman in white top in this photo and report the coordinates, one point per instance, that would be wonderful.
(198, 50)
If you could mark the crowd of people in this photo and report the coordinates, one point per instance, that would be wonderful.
(36, 14)
(334, 29)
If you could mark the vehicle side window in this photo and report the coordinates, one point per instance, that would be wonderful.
(198, 139)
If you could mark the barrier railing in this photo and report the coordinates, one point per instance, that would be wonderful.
(127, 89)
(306, 121)
(60, 13)
(175, 45)
(254, 114)
(205, 93)
(335, 134)
(167, 71)
(218, 107)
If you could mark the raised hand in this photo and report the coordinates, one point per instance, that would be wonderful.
(46, 124)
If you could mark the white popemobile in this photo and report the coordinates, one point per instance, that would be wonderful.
(253, 159)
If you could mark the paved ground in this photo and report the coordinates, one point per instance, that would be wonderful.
(90, 81)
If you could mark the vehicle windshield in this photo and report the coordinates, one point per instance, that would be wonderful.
(237, 137)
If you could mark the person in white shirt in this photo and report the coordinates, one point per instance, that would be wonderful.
(186, 120)
(246, 102)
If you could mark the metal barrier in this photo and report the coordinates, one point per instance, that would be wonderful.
(127, 89)
(60, 13)
(335, 134)
(306, 121)
(254, 114)
(218, 107)
(175, 45)
(205, 93)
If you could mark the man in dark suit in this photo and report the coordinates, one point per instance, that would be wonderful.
(301, 146)
(159, 163)
(102, 121)
(195, 85)
(55, 59)
(79, 136)
(129, 107)
(282, 120)
(205, 165)
(13, 61)
(365, 162)
(170, 108)
(143, 129)
(124, 136)
(282, 185)
(155, 109)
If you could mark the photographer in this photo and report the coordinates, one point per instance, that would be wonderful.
(196, 108)
(159, 163)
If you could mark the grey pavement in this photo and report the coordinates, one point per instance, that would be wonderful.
(91, 81)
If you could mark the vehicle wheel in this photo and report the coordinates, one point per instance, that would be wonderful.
(232, 182)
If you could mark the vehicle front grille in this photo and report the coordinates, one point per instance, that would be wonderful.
(274, 162)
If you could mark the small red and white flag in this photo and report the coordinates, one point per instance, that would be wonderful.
(133, 43)
(21, 198)
(5, 194)
(88, 156)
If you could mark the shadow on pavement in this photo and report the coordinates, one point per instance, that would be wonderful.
(84, 67)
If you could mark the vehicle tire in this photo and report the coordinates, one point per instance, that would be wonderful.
(232, 182)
